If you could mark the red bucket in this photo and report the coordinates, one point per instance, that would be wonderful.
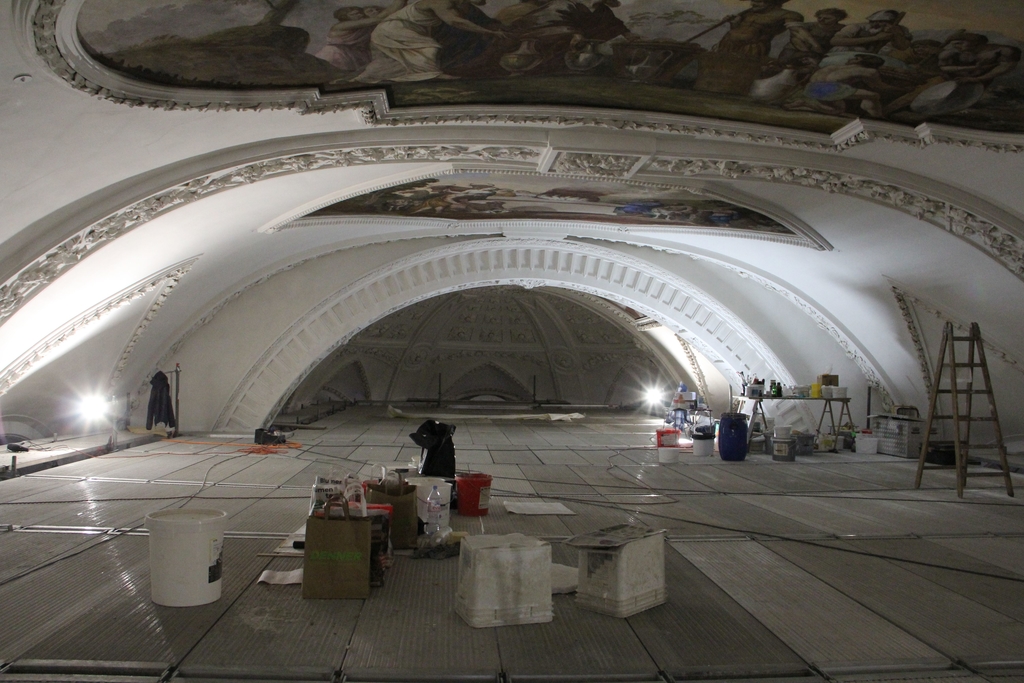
(474, 490)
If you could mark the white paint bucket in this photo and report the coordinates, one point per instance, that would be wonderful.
(424, 485)
(185, 556)
(668, 454)
(783, 431)
(703, 446)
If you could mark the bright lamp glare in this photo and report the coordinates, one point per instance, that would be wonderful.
(653, 395)
(93, 407)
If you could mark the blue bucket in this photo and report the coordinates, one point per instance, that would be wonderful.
(732, 436)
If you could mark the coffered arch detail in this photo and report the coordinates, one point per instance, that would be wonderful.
(696, 316)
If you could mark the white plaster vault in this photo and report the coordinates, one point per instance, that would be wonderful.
(121, 190)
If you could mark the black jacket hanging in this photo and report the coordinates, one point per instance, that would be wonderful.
(160, 407)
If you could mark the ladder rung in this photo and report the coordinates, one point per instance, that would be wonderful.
(940, 467)
(966, 365)
(986, 474)
(964, 391)
(965, 339)
(964, 418)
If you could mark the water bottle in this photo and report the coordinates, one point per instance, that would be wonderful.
(433, 524)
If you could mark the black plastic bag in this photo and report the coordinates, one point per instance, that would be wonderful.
(436, 439)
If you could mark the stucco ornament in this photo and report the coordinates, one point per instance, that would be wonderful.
(48, 267)
(909, 304)
(166, 279)
(596, 164)
(997, 242)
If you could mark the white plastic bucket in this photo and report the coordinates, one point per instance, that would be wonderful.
(185, 556)
(838, 392)
(424, 485)
(703, 446)
(668, 454)
(783, 431)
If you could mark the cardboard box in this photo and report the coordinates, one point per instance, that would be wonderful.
(828, 380)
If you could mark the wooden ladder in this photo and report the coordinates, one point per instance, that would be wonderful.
(962, 404)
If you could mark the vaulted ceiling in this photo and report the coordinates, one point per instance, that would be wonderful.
(177, 191)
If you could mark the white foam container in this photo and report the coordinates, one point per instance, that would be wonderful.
(838, 392)
(668, 454)
(424, 485)
(185, 556)
(504, 580)
(866, 444)
(624, 580)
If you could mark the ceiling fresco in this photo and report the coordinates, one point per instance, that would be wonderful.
(810, 64)
(484, 196)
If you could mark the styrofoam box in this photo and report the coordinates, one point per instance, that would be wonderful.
(624, 580)
(504, 580)
(866, 444)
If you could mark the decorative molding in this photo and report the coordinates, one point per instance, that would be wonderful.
(630, 121)
(698, 373)
(171, 280)
(480, 263)
(646, 323)
(22, 365)
(537, 227)
(580, 163)
(1000, 244)
(916, 302)
(48, 267)
(860, 131)
(611, 358)
(372, 352)
(1000, 143)
(916, 337)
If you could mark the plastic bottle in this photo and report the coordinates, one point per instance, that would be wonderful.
(433, 524)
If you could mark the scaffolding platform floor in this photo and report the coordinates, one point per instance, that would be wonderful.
(830, 568)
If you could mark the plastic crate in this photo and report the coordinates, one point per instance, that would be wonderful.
(900, 436)
(504, 580)
(623, 580)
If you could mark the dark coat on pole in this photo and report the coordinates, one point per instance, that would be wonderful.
(160, 407)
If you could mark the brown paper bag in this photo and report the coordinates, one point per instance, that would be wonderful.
(402, 497)
(336, 560)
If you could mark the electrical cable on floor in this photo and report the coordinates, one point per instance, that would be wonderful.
(277, 451)
(778, 537)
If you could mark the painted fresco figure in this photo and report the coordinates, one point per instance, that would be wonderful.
(738, 59)
(348, 41)
(813, 37)
(831, 86)
(882, 29)
(922, 60)
(773, 88)
(751, 31)
(549, 37)
(970, 58)
(405, 47)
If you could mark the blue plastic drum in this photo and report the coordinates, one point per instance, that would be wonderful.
(732, 436)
